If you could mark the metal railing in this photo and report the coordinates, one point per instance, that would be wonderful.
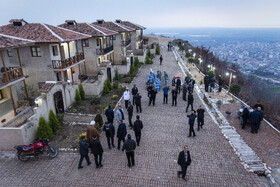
(104, 50)
(60, 64)
(126, 42)
(12, 74)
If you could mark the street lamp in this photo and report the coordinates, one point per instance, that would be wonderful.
(211, 67)
(230, 77)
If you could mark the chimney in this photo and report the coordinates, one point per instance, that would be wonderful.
(18, 22)
(70, 22)
(100, 21)
(118, 21)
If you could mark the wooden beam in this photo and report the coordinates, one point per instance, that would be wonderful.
(4, 66)
(68, 49)
(13, 102)
(20, 64)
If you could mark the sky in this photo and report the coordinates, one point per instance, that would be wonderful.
(149, 13)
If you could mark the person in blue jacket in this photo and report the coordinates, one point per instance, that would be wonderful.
(191, 122)
(83, 152)
(165, 94)
(121, 133)
(212, 84)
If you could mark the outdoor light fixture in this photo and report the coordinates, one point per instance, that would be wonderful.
(38, 101)
(194, 55)
(68, 81)
(234, 76)
(209, 66)
(227, 73)
(214, 68)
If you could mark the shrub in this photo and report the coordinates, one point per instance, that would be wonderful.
(107, 86)
(117, 76)
(60, 118)
(81, 108)
(95, 100)
(149, 53)
(157, 50)
(201, 81)
(132, 69)
(82, 92)
(53, 122)
(211, 73)
(137, 62)
(191, 59)
(148, 60)
(181, 47)
(128, 80)
(235, 88)
(98, 119)
(190, 68)
(188, 54)
(44, 130)
(98, 127)
(78, 98)
(115, 97)
(96, 107)
(115, 84)
(80, 136)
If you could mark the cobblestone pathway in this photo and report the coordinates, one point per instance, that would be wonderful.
(165, 133)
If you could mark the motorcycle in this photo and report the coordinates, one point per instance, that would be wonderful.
(25, 152)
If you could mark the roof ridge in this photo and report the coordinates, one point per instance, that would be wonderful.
(72, 31)
(104, 28)
(120, 26)
(97, 29)
(53, 33)
(136, 24)
(17, 38)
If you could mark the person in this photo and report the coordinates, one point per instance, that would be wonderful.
(191, 122)
(259, 110)
(245, 116)
(153, 96)
(110, 133)
(129, 146)
(258, 104)
(109, 114)
(168, 47)
(178, 85)
(119, 115)
(165, 94)
(130, 113)
(190, 87)
(126, 97)
(173, 81)
(83, 152)
(149, 89)
(185, 90)
(134, 91)
(97, 151)
(187, 79)
(190, 101)
(255, 119)
(212, 84)
(174, 96)
(221, 83)
(200, 117)
(91, 130)
(137, 127)
(121, 133)
(138, 103)
(184, 160)
(160, 59)
(206, 82)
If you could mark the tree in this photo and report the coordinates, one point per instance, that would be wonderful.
(107, 86)
(132, 69)
(157, 50)
(82, 92)
(137, 62)
(188, 54)
(98, 119)
(181, 47)
(191, 59)
(235, 88)
(117, 76)
(211, 73)
(44, 130)
(53, 122)
(149, 54)
(78, 98)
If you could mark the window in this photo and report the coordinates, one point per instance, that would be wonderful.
(1, 95)
(9, 51)
(55, 50)
(97, 42)
(35, 51)
(85, 43)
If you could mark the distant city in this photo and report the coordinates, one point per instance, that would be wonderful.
(255, 51)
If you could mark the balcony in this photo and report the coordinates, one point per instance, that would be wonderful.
(140, 38)
(104, 51)
(126, 42)
(12, 74)
(69, 62)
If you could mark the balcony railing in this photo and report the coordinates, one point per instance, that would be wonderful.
(12, 74)
(126, 42)
(104, 51)
(61, 64)
(140, 37)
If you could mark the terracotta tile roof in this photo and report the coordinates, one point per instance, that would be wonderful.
(46, 87)
(114, 26)
(7, 41)
(89, 29)
(40, 32)
(132, 25)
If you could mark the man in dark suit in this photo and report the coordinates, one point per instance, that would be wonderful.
(153, 94)
(255, 118)
(121, 133)
(138, 102)
(137, 127)
(184, 160)
(134, 91)
(129, 146)
(191, 122)
(190, 101)
(178, 85)
(83, 152)
(110, 133)
(130, 113)
(97, 151)
(174, 96)
(200, 117)
(110, 114)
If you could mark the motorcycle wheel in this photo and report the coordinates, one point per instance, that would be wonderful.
(52, 151)
(23, 157)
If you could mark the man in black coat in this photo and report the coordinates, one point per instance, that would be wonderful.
(200, 117)
(153, 94)
(184, 160)
(83, 152)
(97, 151)
(134, 91)
(178, 85)
(138, 103)
(121, 133)
(245, 116)
(206, 82)
(255, 118)
(110, 133)
(258, 104)
(174, 96)
(191, 123)
(221, 83)
(138, 126)
(190, 101)
(110, 114)
(185, 90)
(130, 113)
(129, 146)
(149, 89)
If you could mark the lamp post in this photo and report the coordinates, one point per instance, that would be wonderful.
(211, 67)
(230, 77)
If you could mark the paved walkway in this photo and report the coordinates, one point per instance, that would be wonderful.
(165, 132)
